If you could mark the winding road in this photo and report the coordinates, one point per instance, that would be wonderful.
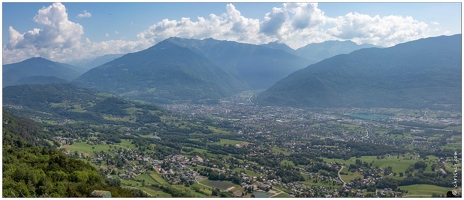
(340, 177)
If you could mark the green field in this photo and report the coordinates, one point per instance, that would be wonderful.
(423, 190)
(282, 195)
(152, 192)
(147, 178)
(453, 146)
(88, 149)
(157, 177)
(454, 128)
(231, 142)
(279, 150)
(248, 172)
(287, 162)
(351, 175)
(398, 164)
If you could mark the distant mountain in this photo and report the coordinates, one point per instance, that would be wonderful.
(257, 65)
(39, 80)
(327, 49)
(34, 67)
(280, 46)
(425, 73)
(88, 64)
(163, 73)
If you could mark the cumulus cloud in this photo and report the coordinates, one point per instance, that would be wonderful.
(57, 33)
(58, 39)
(273, 21)
(84, 14)
(296, 24)
(231, 25)
(385, 31)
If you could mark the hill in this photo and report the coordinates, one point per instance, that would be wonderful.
(420, 74)
(39, 80)
(62, 103)
(257, 65)
(34, 67)
(32, 171)
(164, 73)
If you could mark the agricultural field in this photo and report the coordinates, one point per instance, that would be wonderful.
(282, 195)
(223, 185)
(350, 175)
(248, 172)
(423, 190)
(277, 150)
(231, 142)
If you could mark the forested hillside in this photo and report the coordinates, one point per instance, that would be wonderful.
(32, 171)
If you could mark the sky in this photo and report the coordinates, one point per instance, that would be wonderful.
(66, 32)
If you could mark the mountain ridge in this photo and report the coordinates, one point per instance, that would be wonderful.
(389, 77)
(163, 73)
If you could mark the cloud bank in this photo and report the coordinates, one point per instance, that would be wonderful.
(296, 24)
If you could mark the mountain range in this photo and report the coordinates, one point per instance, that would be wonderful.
(256, 65)
(38, 70)
(316, 52)
(88, 64)
(425, 73)
(164, 73)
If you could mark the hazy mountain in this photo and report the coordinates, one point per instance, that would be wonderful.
(417, 74)
(327, 49)
(39, 80)
(257, 65)
(280, 46)
(163, 73)
(88, 64)
(37, 67)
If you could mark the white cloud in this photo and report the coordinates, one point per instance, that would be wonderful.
(384, 31)
(435, 23)
(296, 24)
(228, 26)
(107, 35)
(273, 21)
(84, 14)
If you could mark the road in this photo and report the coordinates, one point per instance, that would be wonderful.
(201, 183)
(340, 176)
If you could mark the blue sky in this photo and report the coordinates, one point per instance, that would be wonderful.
(55, 30)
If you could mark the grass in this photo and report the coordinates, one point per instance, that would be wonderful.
(286, 162)
(88, 149)
(351, 175)
(453, 146)
(152, 192)
(203, 188)
(454, 128)
(282, 195)
(156, 177)
(398, 164)
(85, 148)
(147, 178)
(279, 150)
(200, 151)
(230, 142)
(424, 190)
(248, 172)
